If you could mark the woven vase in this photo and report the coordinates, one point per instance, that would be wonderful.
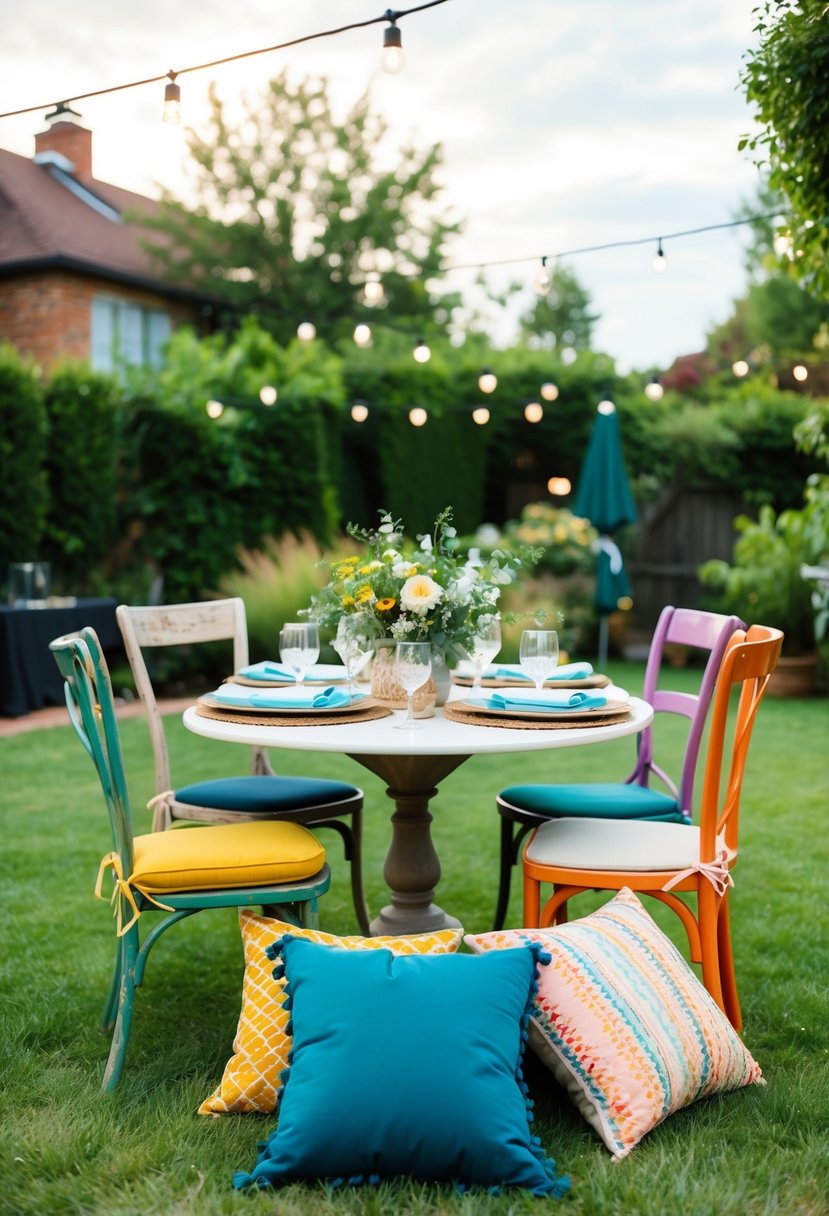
(385, 688)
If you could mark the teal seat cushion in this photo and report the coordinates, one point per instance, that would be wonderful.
(265, 793)
(405, 1066)
(595, 801)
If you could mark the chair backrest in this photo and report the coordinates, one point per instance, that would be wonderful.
(703, 631)
(749, 661)
(88, 692)
(154, 625)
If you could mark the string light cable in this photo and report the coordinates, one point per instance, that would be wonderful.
(390, 16)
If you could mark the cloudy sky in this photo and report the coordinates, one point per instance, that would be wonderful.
(564, 123)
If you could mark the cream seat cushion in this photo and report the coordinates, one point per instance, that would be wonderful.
(604, 844)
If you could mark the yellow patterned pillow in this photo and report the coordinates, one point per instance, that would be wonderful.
(251, 1079)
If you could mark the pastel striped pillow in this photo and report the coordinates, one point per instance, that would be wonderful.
(624, 1024)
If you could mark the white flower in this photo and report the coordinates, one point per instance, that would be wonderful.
(425, 543)
(420, 593)
(386, 525)
(390, 555)
(403, 568)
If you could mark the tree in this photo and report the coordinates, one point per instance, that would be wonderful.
(786, 78)
(294, 213)
(560, 318)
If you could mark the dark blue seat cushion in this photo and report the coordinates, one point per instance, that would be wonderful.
(265, 793)
(595, 801)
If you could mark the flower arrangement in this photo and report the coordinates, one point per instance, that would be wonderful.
(428, 592)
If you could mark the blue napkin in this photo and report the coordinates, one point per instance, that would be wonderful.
(269, 670)
(568, 671)
(549, 702)
(277, 698)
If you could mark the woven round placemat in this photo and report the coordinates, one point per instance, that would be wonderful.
(366, 713)
(455, 712)
(594, 681)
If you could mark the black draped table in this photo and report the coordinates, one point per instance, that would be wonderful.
(29, 677)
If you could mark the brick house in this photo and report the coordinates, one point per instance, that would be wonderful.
(75, 281)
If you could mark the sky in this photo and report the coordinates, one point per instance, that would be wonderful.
(564, 124)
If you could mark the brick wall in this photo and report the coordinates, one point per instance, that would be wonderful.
(48, 316)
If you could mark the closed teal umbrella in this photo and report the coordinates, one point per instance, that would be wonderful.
(603, 496)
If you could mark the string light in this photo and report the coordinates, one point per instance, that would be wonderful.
(559, 486)
(487, 381)
(267, 394)
(359, 411)
(214, 409)
(480, 415)
(660, 262)
(421, 353)
(654, 390)
(373, 291)
(362, 335)
(172, 100)
(392, 58)
(740, 368)
(533, 411)
(215, 63)
(549, 391)
(800, 372)
(543, 282)
(606, 407)
(306, 331)
(418, 416)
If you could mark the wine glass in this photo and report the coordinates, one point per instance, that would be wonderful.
(485, 645)
(299, 647)
(538, 654)
(354, 644)
(412, 668)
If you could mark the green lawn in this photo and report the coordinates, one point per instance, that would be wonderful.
(68, 1149)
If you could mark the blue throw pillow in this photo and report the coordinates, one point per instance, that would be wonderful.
(406, 1066)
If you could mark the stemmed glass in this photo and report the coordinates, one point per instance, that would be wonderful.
(354, 644)
(299, 647)
(485, 645)
(412, 668)
(538, 654)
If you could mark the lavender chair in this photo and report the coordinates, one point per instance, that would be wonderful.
(530, 805)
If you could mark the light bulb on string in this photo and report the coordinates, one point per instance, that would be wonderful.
(421, 353)
(487, 381)
(267, 394)
(362, 335)
(800, 372)
(606, 407)
(172, 100)
(373, 292)
(359, 411)
(215, 409)
(660, 262)
(418, 416)
(533, 411)
(549, 391)
(740, 368)
(654, 390)
(559, 486)
(480, 415)
(306, 331)
(543, 281)
(392, 59)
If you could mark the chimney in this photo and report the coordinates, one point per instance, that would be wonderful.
(66, 137)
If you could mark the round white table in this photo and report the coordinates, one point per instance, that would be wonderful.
(413, 763)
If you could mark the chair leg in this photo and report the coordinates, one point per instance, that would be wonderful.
(709, 905)
(505, 873)
(352, 838)
(532, 903)
(111, 1005)
(727, 977)
(123, 1020)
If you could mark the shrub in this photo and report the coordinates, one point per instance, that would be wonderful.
(23, 493)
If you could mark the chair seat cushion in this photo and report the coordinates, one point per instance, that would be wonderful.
(600, 800)
(412, 1069)
(625, 844)
(265, 793)
(237, 854)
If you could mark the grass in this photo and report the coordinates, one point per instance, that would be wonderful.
(68, 1149)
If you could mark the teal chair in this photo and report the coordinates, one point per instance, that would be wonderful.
(277, 865)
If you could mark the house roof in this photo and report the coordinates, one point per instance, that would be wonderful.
(50, 218)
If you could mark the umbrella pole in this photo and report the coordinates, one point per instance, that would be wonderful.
(603, 632)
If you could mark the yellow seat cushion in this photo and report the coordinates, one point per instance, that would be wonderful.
(233, 854)
(251, 1080)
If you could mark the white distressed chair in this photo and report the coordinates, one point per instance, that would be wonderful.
(308, 800)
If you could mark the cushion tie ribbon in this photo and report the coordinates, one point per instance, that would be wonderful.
(161, 807)
(122, 887)
(717, 873)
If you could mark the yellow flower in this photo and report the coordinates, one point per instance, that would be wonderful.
(364, 594)
(347, 601)
(385, 605)
(369, 567)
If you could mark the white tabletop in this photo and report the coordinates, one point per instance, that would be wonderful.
(437, 736)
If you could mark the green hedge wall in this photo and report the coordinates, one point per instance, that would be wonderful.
(23, 494)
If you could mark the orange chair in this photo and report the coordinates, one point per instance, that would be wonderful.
(661, 859)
